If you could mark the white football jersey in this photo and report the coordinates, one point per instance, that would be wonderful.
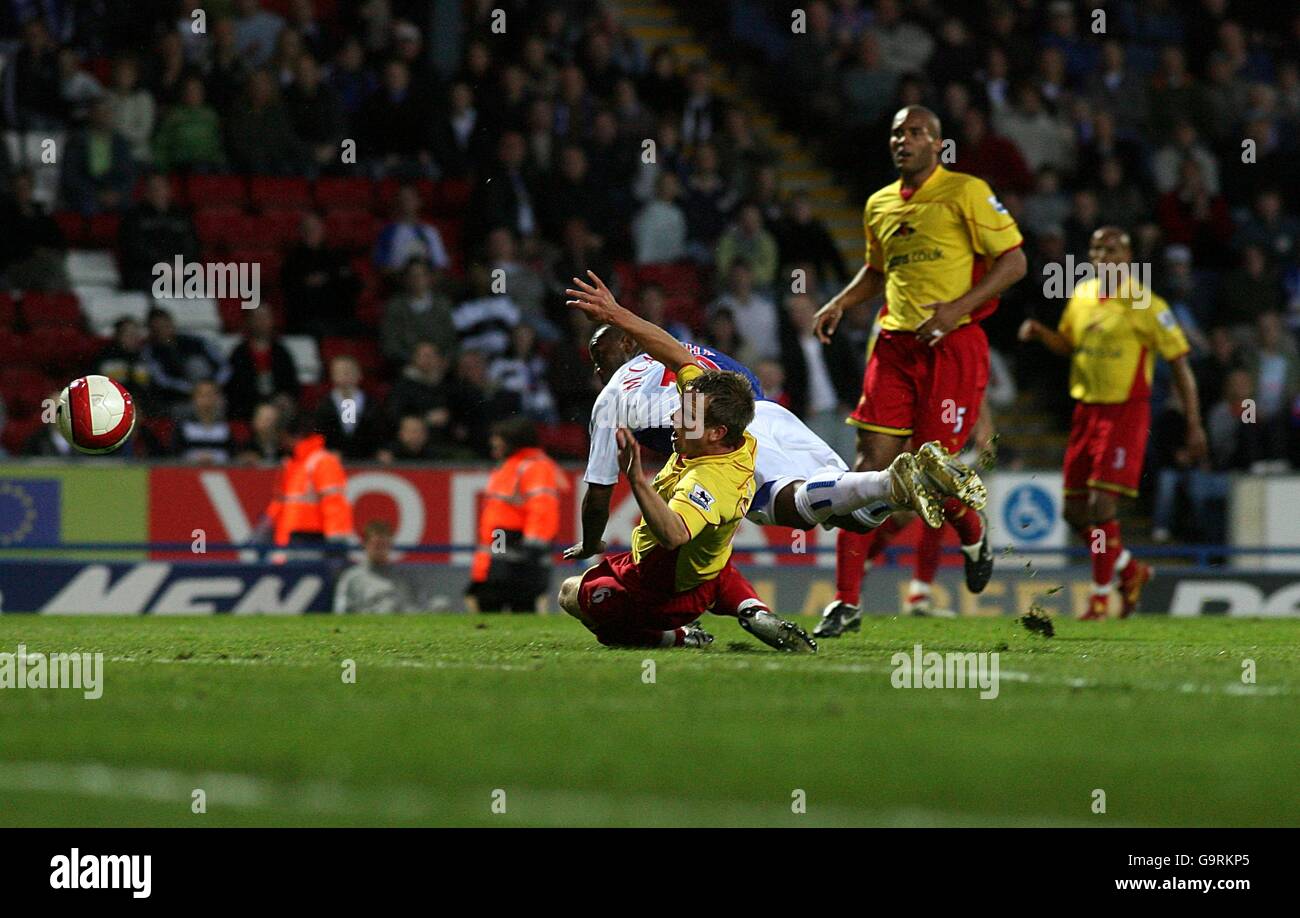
(640, 396)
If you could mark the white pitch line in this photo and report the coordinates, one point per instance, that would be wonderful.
(696, 661)
(411, 803)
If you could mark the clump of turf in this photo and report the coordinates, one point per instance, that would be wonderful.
(1038, 621)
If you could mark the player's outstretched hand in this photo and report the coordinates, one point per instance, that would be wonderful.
(595, 299)
(629, 454)
(827, 320)
(582, 551)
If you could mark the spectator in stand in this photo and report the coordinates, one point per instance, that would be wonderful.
(747, 239)
(527, 287)
(154, 231)
(574, 105)
(1276, 369)
(1250, 290)
(1105, 143)
(202, 435)
(708, 202)
(352, 424)
(461, 135)
(702, 111)
(866, 85)
(167, 70)
(267, 440)
(581, 252)
(1048, 205)
(477, 403)
(189, 135)
(423, 390)
(906, 46)
(47, 441)
(225, 68)
(1235, 446)
(635, 120)
(133, 108)
(261, 367)
(256, 31)
(755, 313)
(78, 90)
(350, 78)
(98, 169)
(803, 238)
(669, 158)
(662, 87)
(1041, 138)
(991, 156)
(396, 121)
(1119, 200)
(1173, 95)
(409, 236)
(29, 86)
(410, 444)
(315, 114)
(1184, 144)
(420, 312)
(508, 196)
(178, 362)
(320, 289)
(32, 255)
(721, 334)
(259, 134)
(124, 360)
(771, 376)
(522, 370)
(377, 585)
(652, 305)
(485, 321)
(659, 230)
(1269, 228)
(808, 371)
(741, 153)
(572, 193)
(1117, 88)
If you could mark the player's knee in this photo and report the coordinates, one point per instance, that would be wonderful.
(569, 595)
(1102, 507)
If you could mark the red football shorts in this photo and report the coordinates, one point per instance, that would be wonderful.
(624, 604)
(927, 393)
(1106, 447)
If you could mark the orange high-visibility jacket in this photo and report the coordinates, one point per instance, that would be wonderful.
(309, 495)
(522, 496)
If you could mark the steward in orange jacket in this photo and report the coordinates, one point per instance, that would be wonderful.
(310, 505)
(518, 523)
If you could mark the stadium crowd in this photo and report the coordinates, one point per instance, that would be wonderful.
(490, 167)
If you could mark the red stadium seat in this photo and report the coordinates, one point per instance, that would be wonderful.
(282, 225)
(450, 198)
(72, 225)
(15, 349)
(272, 193)
(224, 226)
(352, 193)
(566, 439)
(8, 311)
(25, 389)
(64, 349)
(270, 259)
(224, 190)
(365, 351)
(388, 190)
(102, 230)
(56, 307)
(625, 271)
(232, 315)
(18, 431)
(351, 228)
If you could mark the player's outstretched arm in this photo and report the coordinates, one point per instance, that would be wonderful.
(595, 517)
(666, 526)
(1050, 338)
(866, 284)
(596, 300)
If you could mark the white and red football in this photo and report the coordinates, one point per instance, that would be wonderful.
(95, 414)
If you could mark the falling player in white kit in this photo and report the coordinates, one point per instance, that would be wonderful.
(800, 482)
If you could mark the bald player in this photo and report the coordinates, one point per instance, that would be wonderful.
(1110, 329)
(942, 249)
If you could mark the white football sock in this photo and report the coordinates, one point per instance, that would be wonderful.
(918, 588)
(1125, 556)
(837, 493)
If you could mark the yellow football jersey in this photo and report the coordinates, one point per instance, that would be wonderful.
(936, 244)
(1112, 339)
(711, 494)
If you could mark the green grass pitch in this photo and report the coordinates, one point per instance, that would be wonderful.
(450, 715)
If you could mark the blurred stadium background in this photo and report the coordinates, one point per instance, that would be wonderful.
(509, 137)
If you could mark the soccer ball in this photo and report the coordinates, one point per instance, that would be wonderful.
(95, 414)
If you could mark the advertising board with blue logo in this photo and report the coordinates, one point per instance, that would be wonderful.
(1024, 512)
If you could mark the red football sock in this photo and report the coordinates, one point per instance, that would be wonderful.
(1103, 562)
(851, 552)
(965, 520)
(882, 535)
(927, 554)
